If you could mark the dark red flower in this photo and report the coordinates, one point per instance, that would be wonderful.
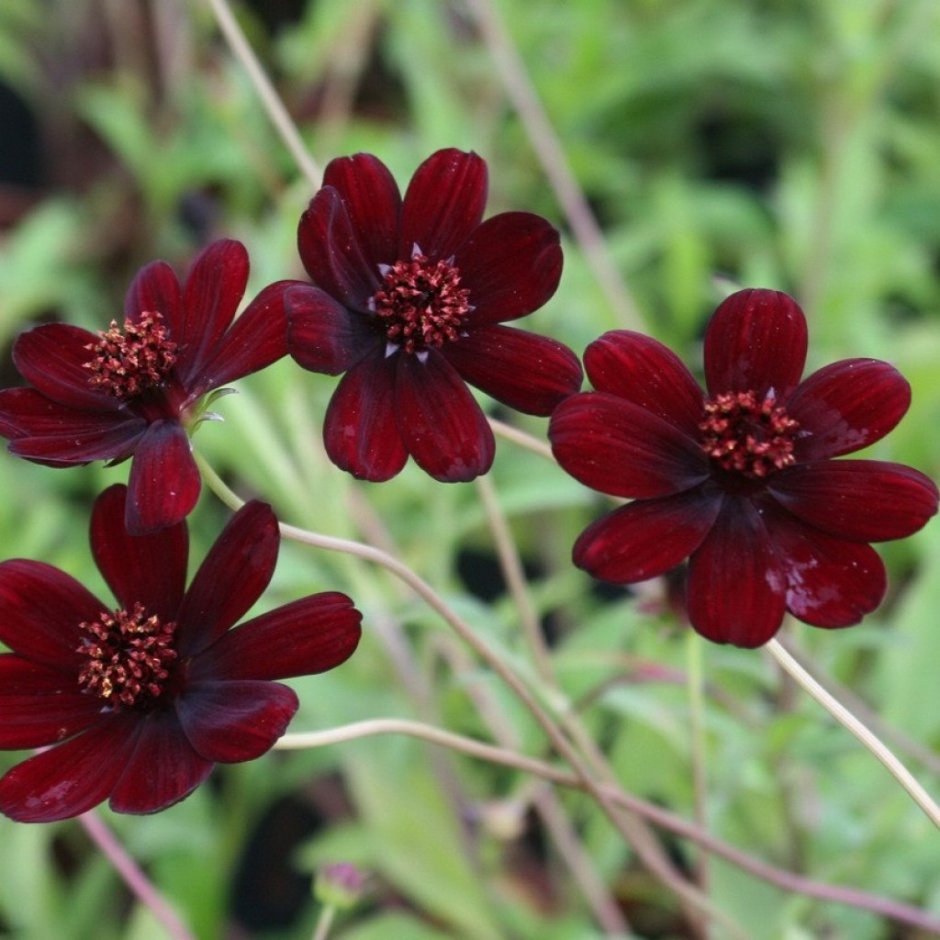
(138, 703)
(740, 479)
(135, 390)
(409, 297)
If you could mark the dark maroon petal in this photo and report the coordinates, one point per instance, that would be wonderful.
(756, 341)
(441, 424)
(308, 636)
(164, 480)
(40, 706)
(644, 371)
(332, 254)
(830, 582)
(360, 430)
(52, 359)
(323, 336)
(622, 449)
(230, 722)
(155, 289)
(444, 203)
(231, 578)
(372, 202)
(847, 406)
(41, 608)
(646, 538)
(737, 587)
(859, 500)
(147, 569)
(527, 372)
(162, 769)
(71, 778)
(511, 265)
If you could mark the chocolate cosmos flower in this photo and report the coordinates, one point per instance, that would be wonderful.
(740, 479)
(408, 302)
(136, 390)
(138, 703)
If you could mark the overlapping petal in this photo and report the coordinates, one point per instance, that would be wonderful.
(155, 289)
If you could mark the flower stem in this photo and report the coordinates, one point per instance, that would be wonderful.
(695, 683)
(522, 438)
(867, 737)
(324, 922)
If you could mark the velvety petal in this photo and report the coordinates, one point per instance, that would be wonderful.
(323, 336)
(332, 254)
(756, 341)
(155, 289)
(847, 406)
(528, 372)
(859, 500)
(644, 371)
(164, 481)
(444, 203)
(308, 636)
(46, 432)
(830, 582)
(41, 608)
(231, 578)
(230, 722)
(373, 203)
(646, 538)
(737, 587)
(622, 449)
(39, 705)
(360, 430)
(71, 778)
(148, 569)
(52, 359)
(441, 424)
(162, 769)
(511, 265)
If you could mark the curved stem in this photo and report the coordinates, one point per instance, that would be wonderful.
(868, 739)
(522, 438)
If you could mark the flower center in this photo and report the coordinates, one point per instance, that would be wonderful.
(746, 435)
(127, 363)
(421, 302)
(128, 657)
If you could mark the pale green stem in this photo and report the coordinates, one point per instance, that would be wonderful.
(522, 438)
(695, 683)
(324, 922)
(868, 739)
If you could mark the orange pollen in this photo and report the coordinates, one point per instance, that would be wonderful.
(421, 303)
(745, 435)
(127, 363)
(129, 657)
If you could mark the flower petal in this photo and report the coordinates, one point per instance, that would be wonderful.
(155, 289)
(162, 769)
(737, 587)
(41, 608)
(52, 359)
(756, 341)
(211, 295)
(444, 203)
(147, 569)
(646, 538)
(71, 778)
(511, 265)
(39, 705)
(332, 254)
(525, 371)
(230, 722)
(164, 480)
(373, 203)
(308, 636)
(830, 582)
(644, 371)
(323, 336)
(847, 406)
(622, 449)
(231, 578)
(441, 424)
(858, 500)
(360, 430)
